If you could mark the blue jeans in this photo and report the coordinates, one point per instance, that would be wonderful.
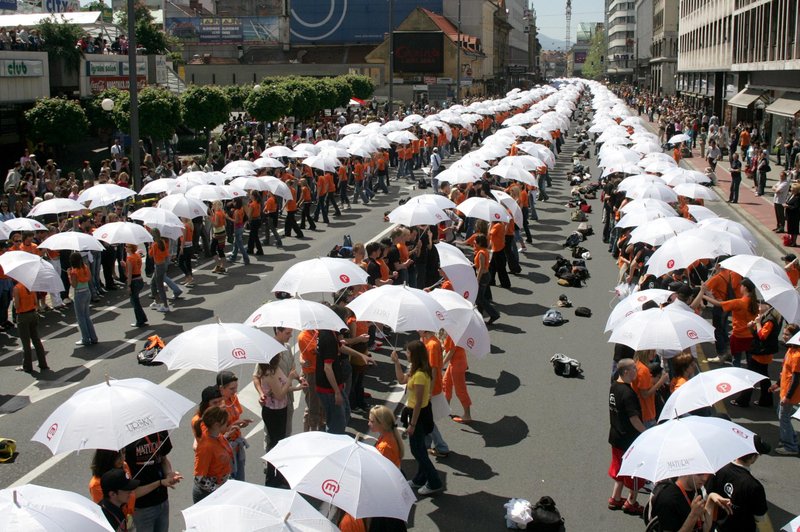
(334, 414)
(239, 446)
(426, 472)
(436, 441)
(157, 289)
(153, 518)
(787, 435)
(361, 191)
(238, 245)
(82, 311)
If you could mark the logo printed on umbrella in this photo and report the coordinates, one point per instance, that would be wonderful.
(52, 431)
(138, 424)
(497, 216)
(723, 387)
(470, 342)
(437, 216)
(641, 299)
(330, 487)
(765, 286)
(439, 315)
(670, 263)
(344, 278)
(676, 465)
(630, 450)
(628, 313)
(692, 334)
(466, 294)
(104, 235)
(740, 432)
(239, 353)
(256, 318)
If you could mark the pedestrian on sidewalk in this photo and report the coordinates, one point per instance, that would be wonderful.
(780, 192)
(792, 210)
(714, 155)
(778, 146)
(736, 178)
(761, 169)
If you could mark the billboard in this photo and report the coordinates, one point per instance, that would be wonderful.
(580, 58)
(224, 30)
(419, 52)
(348, 21)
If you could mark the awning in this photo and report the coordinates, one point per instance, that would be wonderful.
(787, 105)
(745, 98)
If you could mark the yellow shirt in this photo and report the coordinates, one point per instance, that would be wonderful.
(419, 377)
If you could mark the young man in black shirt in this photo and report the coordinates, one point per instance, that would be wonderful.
(147, 458)
(330, 381)
(679, 506)
(117, 489)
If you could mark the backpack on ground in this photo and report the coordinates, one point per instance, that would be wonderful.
(563, 301)
(553, 318)
(585, 228)
(545, 516)
(573, 240)
(583, 312)
(579, 215)
(578, 251)
(152, 348)
(565, 366)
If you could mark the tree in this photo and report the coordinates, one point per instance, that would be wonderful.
(148, 35)
(343, 91)
(593, 68)
(205, 107)
(117, 118)
(237, 94)
(303, 93)
(268, 103)
(59, 41)
(362, 86)
(99, 5)
(57, 121)
(327, 94)
(160, 112)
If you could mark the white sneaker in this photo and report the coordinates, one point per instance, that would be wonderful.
(162, 308)
(425, 490)
(154, 305)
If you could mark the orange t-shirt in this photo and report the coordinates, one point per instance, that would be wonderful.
(718, 284)
(794, 275)
(676, 383)
(135, 260)
(481, 255)
(27, 299)
(270, 206)
(254, 210)
(234, 409)
(387, 446)
(358, 171)
(740, 316)
(197, 418)
(322, 186)
(385, 273)
(307, 342)
(763, 334)
(291, 205)
(160, 256)
(791, 364)
(434, 347)
(238, 218)
(306, 194)
(349, 523)
(213, 458)
(219, 220)
(82, 274)
(643, 381)
(459, 359)
(403, 249)
(497, 237)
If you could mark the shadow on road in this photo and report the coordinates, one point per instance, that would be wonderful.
(463, 512)
(508, 431)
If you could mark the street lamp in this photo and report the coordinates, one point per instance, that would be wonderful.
(133, 89)
(107, 104)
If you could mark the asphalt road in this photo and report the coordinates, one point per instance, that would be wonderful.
(535, 433)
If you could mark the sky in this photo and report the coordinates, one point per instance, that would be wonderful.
(550, 18)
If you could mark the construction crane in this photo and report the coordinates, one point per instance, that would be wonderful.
(567, 37)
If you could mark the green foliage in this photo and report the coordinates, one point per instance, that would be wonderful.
(160, 112)
(593, 68)
(101, 119)
(362, 86)
(343, 91)
(237, 94)
(326, 93)
(304, 97)
(205, 107)
(99, 5)
(57, 121)
(270, 102)
(148, 35)
(59, 40)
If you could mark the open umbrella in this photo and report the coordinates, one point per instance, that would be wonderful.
(122, 233)
(459, 174)
(507, 201)
(219, 346)
(464, 323)
(700, 213)
(778, 292)
(695, 191)
(5, 231)
(326, 163)
(155, 217)
(657, 191)
(278, 151)
(112, 414)
(400, 307)
(32, 508)
(323, 274)
(25, 224)
(267, 162)
(745, 264)
(240, 168)
(250, 183)
(484, 209)
(159, 186)
(189, 180)
(72, 240)
(662, 328)
(417, 213)
(104, 194)
(32, 271)
(708, 388)
(459, 270)
(56, 206)
(515, 173)
(681, 251)
(686, 446)
(434, 199)
(677, 139)
(346, 473)
(246, 507)
(296, 314)
(794, 524)
(180, 205)
(633, 303)
(658, 231)
(642, 217)
(729, 226)
(648, 204)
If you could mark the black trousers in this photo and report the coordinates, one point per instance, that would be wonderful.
(253, 242)
(497, 268)
(291, 225)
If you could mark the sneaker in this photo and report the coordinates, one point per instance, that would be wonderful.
(425, 490)
(414, 486)
(177, 296)
(162, 308)
(154, 305)
(783, 451)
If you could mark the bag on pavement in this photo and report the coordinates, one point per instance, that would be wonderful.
(565, 366)
(152, 348)
(553, 318)
(518, 514)
(583, 312)
(545, 517)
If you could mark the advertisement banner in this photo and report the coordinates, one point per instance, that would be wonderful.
(98, 84)
(113, 68)
(580, 57)
(19, 68)
(419, 52)
(224, 30)
(10, 5)
(348, 21)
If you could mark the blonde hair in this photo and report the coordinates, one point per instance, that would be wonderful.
(385, 418)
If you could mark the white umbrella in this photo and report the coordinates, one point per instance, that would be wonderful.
(459, 270)
(678, 175)
(540, 151)
(435, 199)
(700, 213)
(56, 206)
(687, 446)
(112, 414)
(401, 137)
(464, 323)
(323, 274)
(633, 303)
(277, 187)
(527, 162)
(349, 129)
(417, 213)
(413, 119)
(159, 186)
(154, 217)
(729, 226)
(335, 151)
(267, 162)
(122, 233)
(646, 147)
(695, 191)
(662, 328)
(308, 147)
(296, 314)
(326, 163)
(514, 172)
(648, 205)
(250, 183)
(180, 205)
(744, 265)
(32, 508)
(725, 242)
(278, 151)
(641, 217)
(707, 388)
(459, 174)
(657, 191)
(5, 231)
(484, 209)
(681, 251)
(400, 307)
(660, 167)
(246, 507)
(35, 273)
(72, 240)
(778, 292)
(219, 346)
(677, 139)
(231, 192)
(631, 182)
(658, 231)
(104, 194)
(794, 524)
(207, 193)
(511, 204)
(239, 168)
(346, 473)
(25, 224)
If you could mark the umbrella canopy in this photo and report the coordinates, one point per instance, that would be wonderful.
(32, 508)
(123, 233)
(658, 231)
(219, 346)
(729, 226)
(417, 213)
(459, 174)
(104, 194)
(794, 524)
(189, 180)
(464, 323)
(345, 472)
(686, 446)
(726, 242)
(695, 191)
(507, 201)
(633, 303)
(56, 206)
(326, 163)
(514, 172)
(250, 183)
(744, 265)
(401, 137)
(278, 151)
(681, 251)
(278, 187)
(778, 292)
(155, 217)
(180, 205)
(459, 270)
(72, 240)
(296, 314)
(662, 328)
(349, 129)
(707, 388)
(400, 307)
(5, 231)
(436, 199)
(267, 162)
(700, 213)
(648, 204)
(25, 224)
(638, 180)
(641, 217)
(484, 209)
(677, 139)
(32, 271)
(246, 507)
(239, 168)
(323, 274)
(112, 414)
(159, 186)
(657, 191)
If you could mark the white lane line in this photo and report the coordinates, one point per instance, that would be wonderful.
(39, 470)
(40, 390)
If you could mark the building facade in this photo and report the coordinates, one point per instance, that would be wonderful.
(643, 43)
(620, 23)
(664, 50)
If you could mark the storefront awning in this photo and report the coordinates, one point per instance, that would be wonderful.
(787, 105)
(745, 98)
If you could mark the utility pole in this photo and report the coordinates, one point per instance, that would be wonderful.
(134, 97)
(567, 39)
(391, 57)
(458, 56)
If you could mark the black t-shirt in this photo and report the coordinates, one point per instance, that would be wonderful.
(746, 494)
(115, 515)
(373, 271)
(328, 351)
(145, 458)
(392, 258)
(622, 405)
(671, 507)
(736, 167)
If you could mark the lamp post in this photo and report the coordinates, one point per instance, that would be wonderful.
(134, 96)
(391, 57)
(458, 56)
